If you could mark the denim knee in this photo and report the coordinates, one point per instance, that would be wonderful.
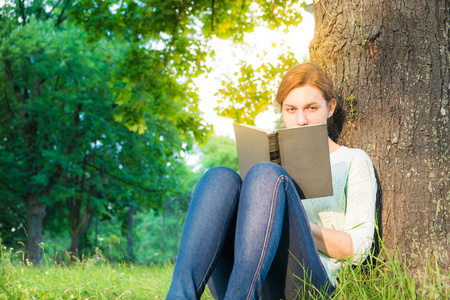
(223, 175)
(265, 170)
(218, 184)
(263, 178)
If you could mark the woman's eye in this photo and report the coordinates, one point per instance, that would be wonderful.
(312, 108)
(290, 109)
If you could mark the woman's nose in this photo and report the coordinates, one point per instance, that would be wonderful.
(301, 119)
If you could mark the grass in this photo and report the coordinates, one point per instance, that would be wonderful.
(86, 281)
(97, 279)
(390, 278)
(89, 279)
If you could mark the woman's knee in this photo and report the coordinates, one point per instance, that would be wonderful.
(219, 187)
(222, 176)
(265, 175)
(266, 170)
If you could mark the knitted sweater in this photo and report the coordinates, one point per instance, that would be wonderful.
(351, 208)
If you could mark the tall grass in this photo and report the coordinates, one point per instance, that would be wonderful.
(389, 278)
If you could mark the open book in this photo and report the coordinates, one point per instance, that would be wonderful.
(302, 151)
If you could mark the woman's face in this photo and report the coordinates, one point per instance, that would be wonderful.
(306, 106)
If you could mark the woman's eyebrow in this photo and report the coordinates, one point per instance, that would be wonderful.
(306, 104)
(312, 103)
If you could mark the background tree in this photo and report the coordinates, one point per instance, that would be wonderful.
(62, 147)
(70, 69)
(218, 151)
(44, 116)
(158, 232)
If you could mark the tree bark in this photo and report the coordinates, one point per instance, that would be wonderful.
(35, 216)
(389, 61)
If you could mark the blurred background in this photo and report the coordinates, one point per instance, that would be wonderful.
(112, 110)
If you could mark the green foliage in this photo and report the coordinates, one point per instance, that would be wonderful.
(281, 12)
(60, 139)
(13, 218)
(158, 236)
(254, 90)
(58, 112)
(97, 102)
(351, 103)
(167, 42)
(219, 151)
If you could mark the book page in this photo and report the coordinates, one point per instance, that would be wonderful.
(305, 156)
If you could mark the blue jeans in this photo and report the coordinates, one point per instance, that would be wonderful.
(250, 239)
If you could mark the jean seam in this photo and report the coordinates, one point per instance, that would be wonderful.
(203, 281)
(266, 239)
(309, 227)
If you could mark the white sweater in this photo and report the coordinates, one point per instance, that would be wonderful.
(351, 208)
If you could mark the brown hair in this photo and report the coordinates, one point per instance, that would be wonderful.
(305, 74)
(310, 74)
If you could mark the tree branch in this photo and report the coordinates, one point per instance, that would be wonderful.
(22, 11)
(172, 42)
(136, 185)
(54, 6)
(61, 18)
(8, 104)
(12, 79)
(76, 121)
(39, 11)
(51, 211)
(11, 189)
(89, 221)
(75, 136)
(52, 181)
(212, 16)
(88, 214)
(63, 212)
(56, 83)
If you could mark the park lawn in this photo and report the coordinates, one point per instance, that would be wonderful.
(90, 279)
(87, 280)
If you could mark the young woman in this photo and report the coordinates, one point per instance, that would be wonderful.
(256, 238)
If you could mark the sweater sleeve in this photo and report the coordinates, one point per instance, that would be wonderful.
(359, 220)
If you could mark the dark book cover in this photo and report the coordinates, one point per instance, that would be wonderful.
(302, 151)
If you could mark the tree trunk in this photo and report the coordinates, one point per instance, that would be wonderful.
(163, 229)
(74, 245)
(130, 231)
(79, 224)
(35, 216)
(79, 227)
(389, 61)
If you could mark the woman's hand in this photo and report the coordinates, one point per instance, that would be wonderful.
(334, 243)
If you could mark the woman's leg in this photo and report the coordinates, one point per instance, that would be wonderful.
(296, 271)
(270, 215)
(212, 210)
(218, 282)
